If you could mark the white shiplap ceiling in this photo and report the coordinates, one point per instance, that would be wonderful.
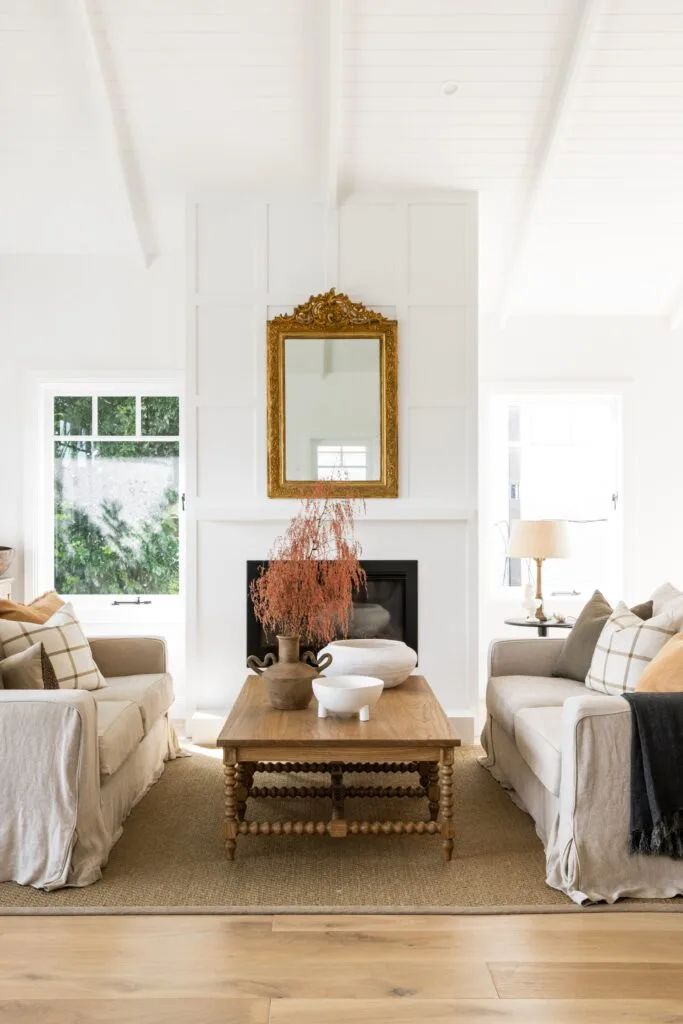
(567, 119)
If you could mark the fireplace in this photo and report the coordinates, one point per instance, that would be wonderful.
(386, 609)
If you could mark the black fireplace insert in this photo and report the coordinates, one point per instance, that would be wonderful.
(386, 609)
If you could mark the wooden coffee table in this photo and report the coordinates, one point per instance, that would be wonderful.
(408, 732)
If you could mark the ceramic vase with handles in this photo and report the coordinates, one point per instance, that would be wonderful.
(392, 661)
(289, 680)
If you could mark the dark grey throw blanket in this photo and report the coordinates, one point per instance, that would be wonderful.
(656, 774)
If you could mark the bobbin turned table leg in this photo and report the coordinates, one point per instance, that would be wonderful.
(248, 772)
(433, 790)
(230, 772)
(243, 781)
(446, 801)
(240, 794)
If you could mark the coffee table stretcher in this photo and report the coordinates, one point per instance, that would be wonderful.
(238, 787)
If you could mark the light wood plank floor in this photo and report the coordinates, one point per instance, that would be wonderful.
(574, 968)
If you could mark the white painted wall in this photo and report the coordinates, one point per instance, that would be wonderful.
(61, 315)
(412, 257)
(640, 358)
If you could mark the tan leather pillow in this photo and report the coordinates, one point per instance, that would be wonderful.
(37, 612)
(664, 674)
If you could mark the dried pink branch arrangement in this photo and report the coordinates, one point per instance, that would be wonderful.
(313, 571)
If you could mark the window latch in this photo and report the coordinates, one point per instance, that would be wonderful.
(136, 601)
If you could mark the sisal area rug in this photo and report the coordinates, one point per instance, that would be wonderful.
(171, 855)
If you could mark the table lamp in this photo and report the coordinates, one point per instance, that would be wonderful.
(539, 539)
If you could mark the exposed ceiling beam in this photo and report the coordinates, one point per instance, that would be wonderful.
(335, 88)
(114, 132)
(568, 78)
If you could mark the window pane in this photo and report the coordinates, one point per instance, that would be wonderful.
(160, 416)
(116, 517)
(548, 465)
(354, 458)
(72, 415)
(116, 416)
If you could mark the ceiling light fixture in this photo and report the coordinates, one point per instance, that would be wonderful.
(449, 88)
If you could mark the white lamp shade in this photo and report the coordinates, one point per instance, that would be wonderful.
(539, 538)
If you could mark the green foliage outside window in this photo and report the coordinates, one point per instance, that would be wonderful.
(111, 557)
(160, 416)
(73, 415)
(111, 534)
(116, 415)
(117, 449)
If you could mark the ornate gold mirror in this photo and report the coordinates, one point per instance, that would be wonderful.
(333, 400)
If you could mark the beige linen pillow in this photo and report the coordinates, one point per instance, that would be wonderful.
(625, 648)
(665, 596)
(28, 670)
(65, 645)
(664, 674)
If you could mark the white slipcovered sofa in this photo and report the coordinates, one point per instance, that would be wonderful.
(563, 751)
(74, 763)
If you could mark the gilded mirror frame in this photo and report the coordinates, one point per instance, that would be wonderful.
(333, 315)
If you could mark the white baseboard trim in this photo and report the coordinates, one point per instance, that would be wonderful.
(464, 724)
(178, 713)
(204, 726)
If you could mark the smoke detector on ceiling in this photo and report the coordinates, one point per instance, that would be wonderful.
(449, 88)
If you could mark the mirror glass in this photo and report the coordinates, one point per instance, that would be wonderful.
(332, 408)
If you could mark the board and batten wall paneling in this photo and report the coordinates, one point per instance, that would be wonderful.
(228, 249)
(412, 257)
(225, 373)
(293, 227)
(370, 251)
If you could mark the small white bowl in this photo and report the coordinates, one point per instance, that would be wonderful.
(347, 695)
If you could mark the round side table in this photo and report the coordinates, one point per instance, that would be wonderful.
(542, 627)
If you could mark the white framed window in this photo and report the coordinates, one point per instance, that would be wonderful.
(341, 461)
(557, 456)
(107, 522)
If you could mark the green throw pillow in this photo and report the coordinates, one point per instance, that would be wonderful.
(577, 653)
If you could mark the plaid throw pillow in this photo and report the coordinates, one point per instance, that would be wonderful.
(65, 645)
(626, 647)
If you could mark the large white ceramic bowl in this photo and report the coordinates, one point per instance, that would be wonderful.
(392, 661)
(347, 695)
